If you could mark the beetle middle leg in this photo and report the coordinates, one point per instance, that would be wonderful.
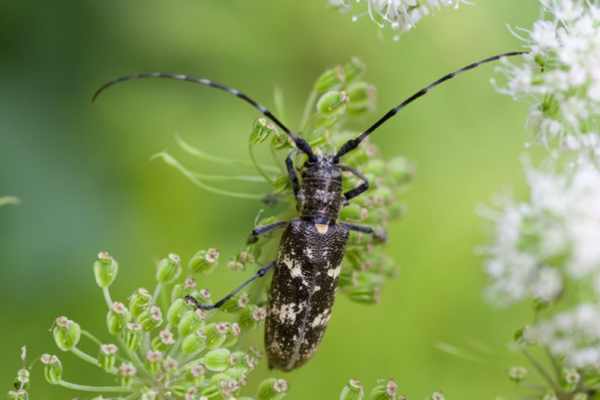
(259, 274)
(378, 234)
(360, 189)
(261, 230)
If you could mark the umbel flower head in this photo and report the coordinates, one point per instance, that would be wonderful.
(398, 15)
(159, 346)
(541, 243)
(561, 74)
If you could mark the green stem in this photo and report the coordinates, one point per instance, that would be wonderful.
(257, 165)
(85, 357)
(156, 293)
(219, 160)
(107, 298)
(97, 389)
(134, 358)
(312, 98)
(240, 178)
(169, 160)
(91, 337)
(540, 369)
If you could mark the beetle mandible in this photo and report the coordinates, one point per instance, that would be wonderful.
(312, 246)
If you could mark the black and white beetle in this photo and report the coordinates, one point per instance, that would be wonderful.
(312, 246)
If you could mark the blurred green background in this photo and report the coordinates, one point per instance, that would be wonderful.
(86, 182)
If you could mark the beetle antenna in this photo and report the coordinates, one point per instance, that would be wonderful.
(353, 143)
(300, 143)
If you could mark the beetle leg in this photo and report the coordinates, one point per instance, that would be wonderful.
(261, 230)
(259, 274)
(360, 189)
(378, 234)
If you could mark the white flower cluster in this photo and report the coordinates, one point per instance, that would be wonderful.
(562, 73)
(399, 15)
(572, 335)
(553, 236)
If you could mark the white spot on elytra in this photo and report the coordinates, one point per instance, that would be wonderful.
(334, 272)
(321, 320)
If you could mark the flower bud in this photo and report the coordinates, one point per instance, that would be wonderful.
(354, 69)
(168, 269)
(22, 378)
(105, 269)
(261, 130)
(330, 79)
(20, 394)
(571, 379)
(176, 311)
(52, 368)
(154, 358)
(163, 340)
(151, 318)
(517, 374)
(581, 396)
(385, 390)
(139, 302)
(216, 360)
(400, 170)
(233, 335)
(107, 356)
(66, 333)
(353, 212)
(193, 343)
(126, 372)
(438, 396)
(272, 389)
(133, 335)
(361, 98)
(332, 103)
(216, 334)
(116, 318)
(353, 390)
(190, 322)
(365, 294)
(196, 372)
(204, 261)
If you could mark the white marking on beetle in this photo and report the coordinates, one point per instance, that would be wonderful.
(322, 319)
(308, 252)
(334, 272)
(322, 228)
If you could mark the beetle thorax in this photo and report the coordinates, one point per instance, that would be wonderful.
(321, 191)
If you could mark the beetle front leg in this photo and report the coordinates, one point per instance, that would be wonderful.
(261, 230)
(360, 189)
(378, 234)
(259, 274)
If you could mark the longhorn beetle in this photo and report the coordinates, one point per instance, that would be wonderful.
(312, 246)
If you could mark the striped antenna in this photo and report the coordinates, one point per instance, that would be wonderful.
(300, 143)
(353, 143)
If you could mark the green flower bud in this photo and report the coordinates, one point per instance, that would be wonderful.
(154, 359)
(176, 311)
(581, 396)
(168, 269)
(204, 261)
(517, 374)
(353, 390)
(571, 378)
(400, 170)
(272, 389)
(361, 98)
(385, 390)
(354, 69)
(126, 372)
(105, 269)
(216, 334)
(261, 130)
(182, 290)
(20, 394)
(107, 356)
(151, 318)
(139, 302)
(332, 103)
(52, 368)
(66, 333)
(233, 335)
(196, 372)
(216, 360)
(330, 79)
(163, 341)
(190, 322)
(22, 378)
(353, 212)
(193, 343)
(117, 318)
(438, 396)
(133, 335)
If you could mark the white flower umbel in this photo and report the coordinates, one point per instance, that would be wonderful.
(561, 73)
(572, 335)
(399, 15)
(552, 237)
